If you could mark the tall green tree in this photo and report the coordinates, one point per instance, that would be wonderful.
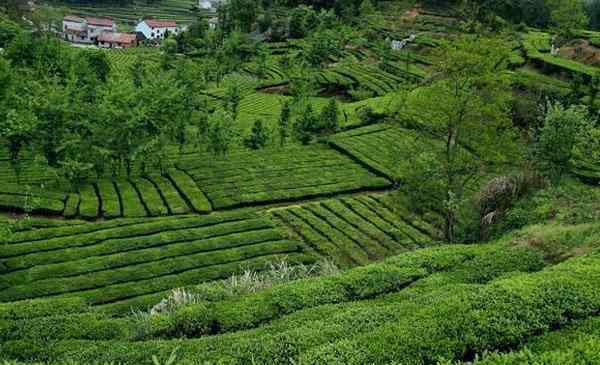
(221, 133)
(330, 116)
(258, 137)
(305, 125)
(558, 137)
(284, 122)
(467, 107)
(233, 97)
(568, 16)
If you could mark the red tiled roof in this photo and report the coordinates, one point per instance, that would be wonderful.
(161, 23)
(103, 22)
(122, 38)
(73, 18)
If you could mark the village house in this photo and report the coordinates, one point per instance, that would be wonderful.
(157, 29)
(86, 29)
(213, 22)
(117, 40)
(209, 5)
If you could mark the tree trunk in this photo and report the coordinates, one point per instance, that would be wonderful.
(450, 216)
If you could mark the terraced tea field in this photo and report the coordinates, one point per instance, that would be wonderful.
(385, 148)
(125, 263)
(281, 175)
(131, 12)
(355, 230)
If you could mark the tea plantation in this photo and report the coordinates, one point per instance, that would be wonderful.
(348, 183)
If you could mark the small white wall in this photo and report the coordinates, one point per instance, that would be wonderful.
(143, 28)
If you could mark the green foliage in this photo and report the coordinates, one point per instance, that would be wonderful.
(472, 86)
(8, 31)
(563, 129)
(278, 175)
(220, 133)
(305, 126)
(329, 117)
(259, 136)
(448, 271)
(568, 16)
(284, 123)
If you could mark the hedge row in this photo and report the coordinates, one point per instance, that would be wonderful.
(388, 222)
(36, 308)
(190, 191)
(32, 203)
(475, 320)
(358, 284)
(65, 230)
(230, 263)
(71, 206)
(343, 243)
(320, 189)
(132, 206)
(144, 301)
(175, 202)
(89, 204)
(151, 199)
(141, 228)
(281, 175)
(316, 243)
(381, 239)
(111, 207)
(151, 248)
(249, 312)
(295, 334)
(142, 271)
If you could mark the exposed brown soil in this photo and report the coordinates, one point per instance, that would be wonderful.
(280, 90)
(582, 51)
(410, 14)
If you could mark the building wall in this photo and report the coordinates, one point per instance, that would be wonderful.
(95, 30)
(154, 33)
(76, 26)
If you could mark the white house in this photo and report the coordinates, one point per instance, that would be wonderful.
(74, 29)
(213, 22)
(210, 5)
(97, 26)
(156, 29)
(86, 29)
(205, 5)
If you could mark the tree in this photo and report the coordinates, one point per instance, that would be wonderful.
(557, 139)
(8, 31)
(329, 116)
(17, 128)
(284, 122)
(17, 120)
(320, 46)
(467, 106)
(54, 112)
(259, 136)
(98, 63)
(568, 16)
(262, 56)
(169, 48)
(366, 8)
(233, 96)
(220, 133)
(305, 125)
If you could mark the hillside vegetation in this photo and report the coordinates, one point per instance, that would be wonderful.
(344, 182)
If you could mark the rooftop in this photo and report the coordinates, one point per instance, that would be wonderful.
(153, 23)
(117, 37)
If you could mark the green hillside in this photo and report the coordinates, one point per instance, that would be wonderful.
(347, 182)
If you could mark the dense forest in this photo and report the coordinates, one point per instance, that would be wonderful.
(302, 182)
